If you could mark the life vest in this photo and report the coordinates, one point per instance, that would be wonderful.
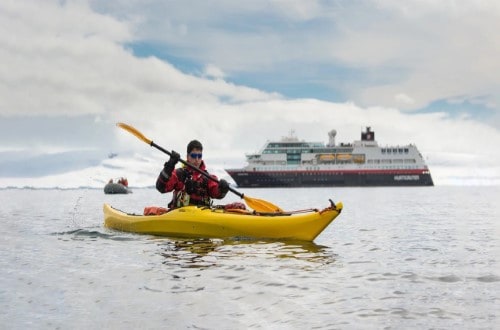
(194, 193)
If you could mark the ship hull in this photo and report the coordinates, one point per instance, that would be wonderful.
(368, 178)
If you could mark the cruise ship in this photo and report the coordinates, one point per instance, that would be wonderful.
(294, 163)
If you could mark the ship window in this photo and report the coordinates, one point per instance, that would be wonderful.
(389, 151)
(406, 150)
(383, 151)
(394, 150)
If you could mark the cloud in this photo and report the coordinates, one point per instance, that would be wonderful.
(212, 71)
(70, 75)
(78, 65)
(367, 52)
(57, 58)
(404, 99)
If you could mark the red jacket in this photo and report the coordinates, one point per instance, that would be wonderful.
(201, 189)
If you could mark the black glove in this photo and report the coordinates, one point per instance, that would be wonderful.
(223, 188)
(169, 166)
(191, 186)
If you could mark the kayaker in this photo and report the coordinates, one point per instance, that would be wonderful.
(189, 187)
(123, 181)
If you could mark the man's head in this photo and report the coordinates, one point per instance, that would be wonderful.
(194, 153)
(195, 144)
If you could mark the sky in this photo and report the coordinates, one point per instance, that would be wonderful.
(234, 74)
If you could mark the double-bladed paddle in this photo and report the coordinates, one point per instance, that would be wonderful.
(258, 205)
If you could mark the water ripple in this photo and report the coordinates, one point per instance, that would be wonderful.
(489, 278)
(84, 234)
(447, 278)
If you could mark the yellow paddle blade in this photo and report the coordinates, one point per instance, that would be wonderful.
(135, 132)
(260, 205)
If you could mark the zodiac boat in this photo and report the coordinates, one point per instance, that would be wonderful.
(116, 188)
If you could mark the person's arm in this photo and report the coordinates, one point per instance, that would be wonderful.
(166, 174)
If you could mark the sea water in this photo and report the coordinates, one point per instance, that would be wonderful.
(395, 258)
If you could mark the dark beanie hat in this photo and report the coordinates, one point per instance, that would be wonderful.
(195, 144)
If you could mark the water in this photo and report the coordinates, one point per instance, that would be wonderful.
(396, 258)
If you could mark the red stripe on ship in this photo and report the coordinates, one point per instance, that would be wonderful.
(393, 171)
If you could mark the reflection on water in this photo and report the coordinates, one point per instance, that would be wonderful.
(204, 253)
(190, 253)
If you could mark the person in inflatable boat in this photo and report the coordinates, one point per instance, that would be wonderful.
(189, 187)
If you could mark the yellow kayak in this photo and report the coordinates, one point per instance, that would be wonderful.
(193, 221)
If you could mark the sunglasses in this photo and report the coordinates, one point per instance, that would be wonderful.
(195, 155)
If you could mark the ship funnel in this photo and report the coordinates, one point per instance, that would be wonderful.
(331, 138)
